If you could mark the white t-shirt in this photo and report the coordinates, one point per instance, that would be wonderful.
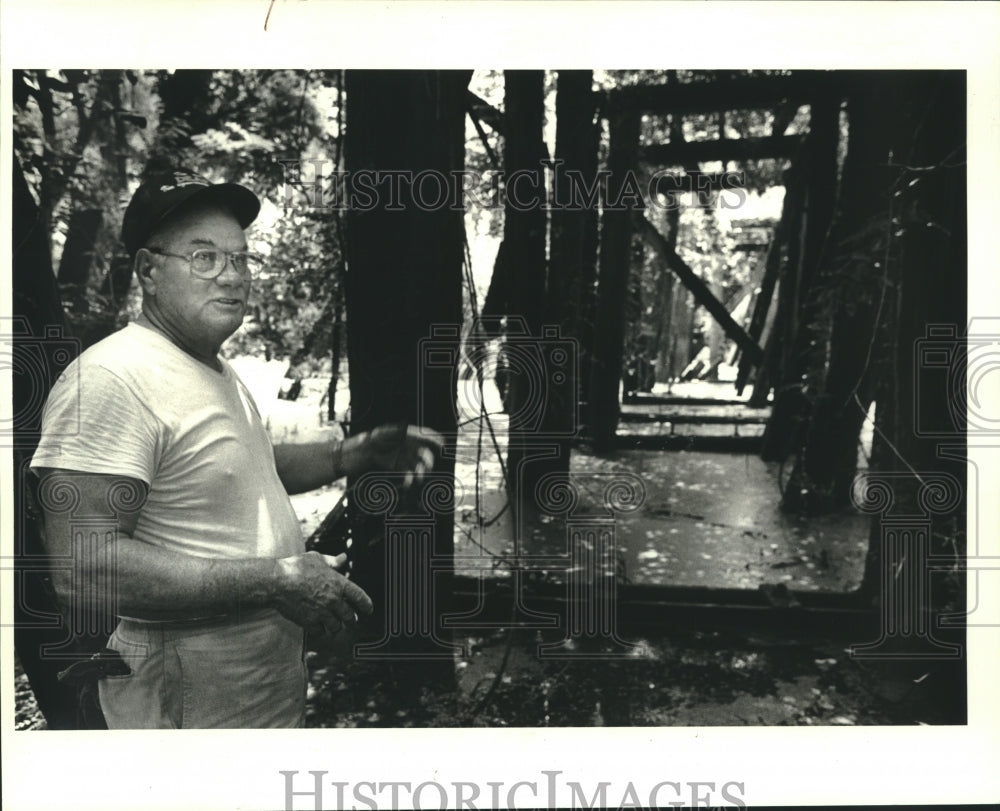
(136, 405)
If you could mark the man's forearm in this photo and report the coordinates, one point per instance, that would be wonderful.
(308, 465)
(409, 449)
(158, 584)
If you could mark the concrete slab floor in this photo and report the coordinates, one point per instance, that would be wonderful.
(707, 519)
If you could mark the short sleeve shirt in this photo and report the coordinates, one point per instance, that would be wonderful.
(136, 405)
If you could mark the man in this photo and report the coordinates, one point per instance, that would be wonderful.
(150, 431)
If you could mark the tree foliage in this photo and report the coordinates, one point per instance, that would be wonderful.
(85, 139)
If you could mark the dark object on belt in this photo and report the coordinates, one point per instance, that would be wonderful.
(105, 662)
(84, 677)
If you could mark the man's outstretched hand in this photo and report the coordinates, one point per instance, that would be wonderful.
(312, 593)
(393, 448)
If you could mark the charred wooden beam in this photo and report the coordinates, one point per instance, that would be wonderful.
(805, 284)
(687, 442)
(772, 268)
(842, 615)
(724, 149)
(572, 253)
(642, 398)
(615, 255)
(703, 295)
(524, 238)
(401, 292)
(484, 112)
(691, 419)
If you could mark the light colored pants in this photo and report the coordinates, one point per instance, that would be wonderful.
(246, 672)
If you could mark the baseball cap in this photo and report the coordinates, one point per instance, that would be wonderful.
(165, 193)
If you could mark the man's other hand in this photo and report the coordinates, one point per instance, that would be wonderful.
(312, 593)
(412, 449)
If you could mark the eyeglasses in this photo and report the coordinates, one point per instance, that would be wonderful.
(208, 263)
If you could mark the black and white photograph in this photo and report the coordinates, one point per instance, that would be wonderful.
(611, 426)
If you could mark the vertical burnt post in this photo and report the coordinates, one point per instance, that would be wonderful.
(587, 280)
(573, 254)
(404, 276)
(923, 412)
(797, 342)
(763, 304)
(524, 240)
(615, 255)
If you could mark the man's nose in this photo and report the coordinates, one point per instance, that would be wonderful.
(230, 274)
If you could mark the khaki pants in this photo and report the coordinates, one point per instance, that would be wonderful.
(246, 672)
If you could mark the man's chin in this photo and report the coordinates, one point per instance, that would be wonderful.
(227, 324)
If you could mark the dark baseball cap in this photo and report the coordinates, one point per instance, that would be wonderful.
(163, 194)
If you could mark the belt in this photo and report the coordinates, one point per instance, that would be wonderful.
(213, 621)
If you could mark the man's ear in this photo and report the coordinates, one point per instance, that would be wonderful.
(144, 266)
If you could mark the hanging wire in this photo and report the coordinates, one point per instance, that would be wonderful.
(514, 562)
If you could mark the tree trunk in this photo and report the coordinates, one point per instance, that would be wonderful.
(661, 340)
(118, 279)
(635, 352)
(404, 302)
(681, 325)
(185, 96)
(715, 334)
(78, 254)
(41, 349)
(118, 282)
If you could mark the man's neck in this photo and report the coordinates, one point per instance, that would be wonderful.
(149, 318)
